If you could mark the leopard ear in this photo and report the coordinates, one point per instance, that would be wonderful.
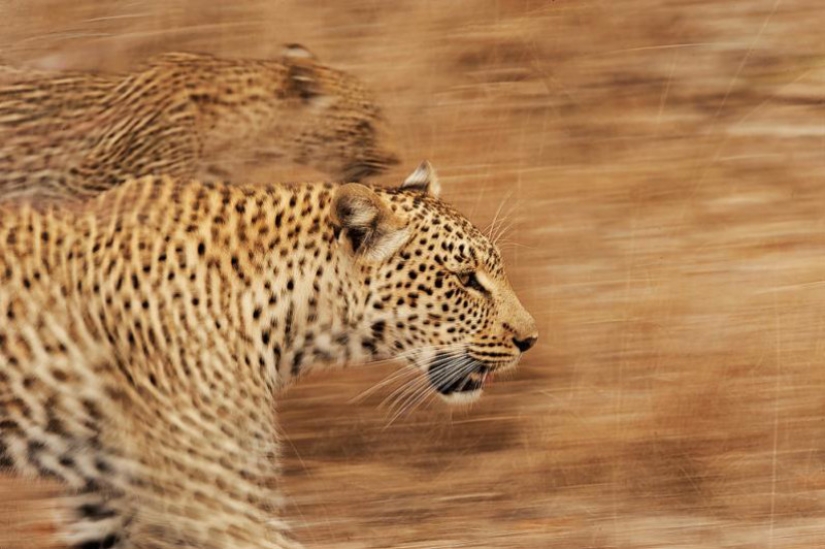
(302, 79)
(423, 179)
(367, 225)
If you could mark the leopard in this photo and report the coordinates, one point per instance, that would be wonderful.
(67, 136)
(146, 334)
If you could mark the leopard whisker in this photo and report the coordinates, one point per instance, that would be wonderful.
(444, 376)
(409, 402)
(400, 394)
(390, 379)
(490, 227)
(503, 232)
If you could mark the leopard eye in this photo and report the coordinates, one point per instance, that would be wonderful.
(469, 279)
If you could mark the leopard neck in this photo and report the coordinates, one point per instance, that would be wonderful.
(254, 276)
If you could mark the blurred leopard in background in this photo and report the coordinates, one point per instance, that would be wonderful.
(73, 135)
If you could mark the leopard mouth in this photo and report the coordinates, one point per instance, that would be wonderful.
(462, 375)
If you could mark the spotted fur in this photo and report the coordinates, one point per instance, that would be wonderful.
(73, 135)
(145, 335)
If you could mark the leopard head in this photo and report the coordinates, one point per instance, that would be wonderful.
(439, 295)
(293, 109)
(343, 131)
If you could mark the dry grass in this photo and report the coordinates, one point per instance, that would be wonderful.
(662, 164)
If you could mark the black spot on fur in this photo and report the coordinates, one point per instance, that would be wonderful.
(95, 512)
(369, 346)
(378, 329)
(5, 459)
(296, 363)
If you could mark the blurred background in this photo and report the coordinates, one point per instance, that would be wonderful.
(660, 168)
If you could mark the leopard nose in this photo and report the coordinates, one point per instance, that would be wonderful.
(524, 345)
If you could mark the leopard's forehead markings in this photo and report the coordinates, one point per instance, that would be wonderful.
(460, 237)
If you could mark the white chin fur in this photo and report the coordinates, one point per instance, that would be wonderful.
(464, 397)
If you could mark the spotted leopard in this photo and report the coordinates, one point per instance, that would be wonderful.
(73, 135)
(145, 335)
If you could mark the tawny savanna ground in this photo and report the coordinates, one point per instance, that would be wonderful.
(661, 166)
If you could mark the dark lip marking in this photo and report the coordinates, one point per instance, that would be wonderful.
(472, 378)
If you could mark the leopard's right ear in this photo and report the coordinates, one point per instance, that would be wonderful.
(301, 67)
(369, 229)
(423, 180)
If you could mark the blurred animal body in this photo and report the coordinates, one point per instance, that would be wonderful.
(74, 135)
